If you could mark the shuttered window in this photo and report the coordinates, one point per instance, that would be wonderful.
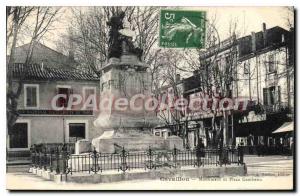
(265, 96)
(31, 95)
(61, 101)
(270, 96)
(271, 63)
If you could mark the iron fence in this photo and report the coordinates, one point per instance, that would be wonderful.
(61, 160)
(267, 150)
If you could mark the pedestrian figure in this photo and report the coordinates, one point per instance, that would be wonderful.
(250, 143)
(259, 149)
(264, 150)
(200, 152)
(242, 142)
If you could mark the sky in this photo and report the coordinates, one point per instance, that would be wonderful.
(249, 19)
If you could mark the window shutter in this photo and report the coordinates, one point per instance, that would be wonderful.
(279, 94)
(28, 95)
(34, 96)
(57, 101)
(265, 96)
(31, 96)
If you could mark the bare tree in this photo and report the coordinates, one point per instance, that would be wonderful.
(89, 33)
(167, 89)
(30, 22)
(290, 11)
(15, 17)
(216, 75)
(290, 53)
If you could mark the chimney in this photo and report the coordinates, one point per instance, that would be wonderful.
(71, 46)
(177, 79)
(282, 38)
(71, 56)
(264, 29)
(233, 36)
(253, 41)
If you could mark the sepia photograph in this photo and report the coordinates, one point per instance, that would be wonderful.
(150, 98)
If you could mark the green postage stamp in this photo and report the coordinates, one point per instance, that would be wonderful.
(182, 29)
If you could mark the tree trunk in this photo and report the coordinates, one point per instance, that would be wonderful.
(225, 129)
(11, 98)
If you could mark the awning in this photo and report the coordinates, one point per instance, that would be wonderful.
(286, 127)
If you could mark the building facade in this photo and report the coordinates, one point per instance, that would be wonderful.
(262, 74)
(45, 117)
(266, 77)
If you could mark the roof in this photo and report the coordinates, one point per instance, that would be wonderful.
(39, 72)
(286, 127)
(273, 40)
(222, 46)
(192, 82)
(44, 54)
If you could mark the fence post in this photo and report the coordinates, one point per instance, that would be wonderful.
(57, 160)
(95, 166)
(219, 151)
(64, 158)
(37, 157)
(51, 160)
(123, 155)
(175, 152)
(45, 158)
(240, 155)
(40, 158)
(33, 159)
(149, 165)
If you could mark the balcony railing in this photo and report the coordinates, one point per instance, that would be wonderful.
(281, 107)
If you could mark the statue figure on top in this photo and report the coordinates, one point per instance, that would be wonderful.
(121, 39)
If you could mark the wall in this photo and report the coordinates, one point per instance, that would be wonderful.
(51, 128)
(260, 77)
(45, 55)
(48, 89)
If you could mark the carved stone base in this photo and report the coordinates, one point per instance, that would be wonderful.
(134, 140)
(115, 121)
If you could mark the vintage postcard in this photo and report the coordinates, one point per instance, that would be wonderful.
(150, 98)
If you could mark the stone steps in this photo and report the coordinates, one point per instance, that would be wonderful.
(164, 172)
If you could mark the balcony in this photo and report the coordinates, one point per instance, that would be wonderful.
(276, 108)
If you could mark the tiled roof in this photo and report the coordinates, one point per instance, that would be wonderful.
(44, 54)
(37, 72)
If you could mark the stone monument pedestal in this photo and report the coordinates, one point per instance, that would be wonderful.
(130, 127)
(174, 141)
(134, 140)
(82, 146)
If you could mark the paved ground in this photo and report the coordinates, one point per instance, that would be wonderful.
(264, 173)
(269, 165)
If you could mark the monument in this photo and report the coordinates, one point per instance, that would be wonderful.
(124, 94)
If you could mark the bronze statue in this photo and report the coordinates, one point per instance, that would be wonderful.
(114, 42)
(119, 43)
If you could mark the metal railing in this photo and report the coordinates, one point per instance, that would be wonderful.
(267, 150)
(61, 161)
(70, 147)
(278, 107)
